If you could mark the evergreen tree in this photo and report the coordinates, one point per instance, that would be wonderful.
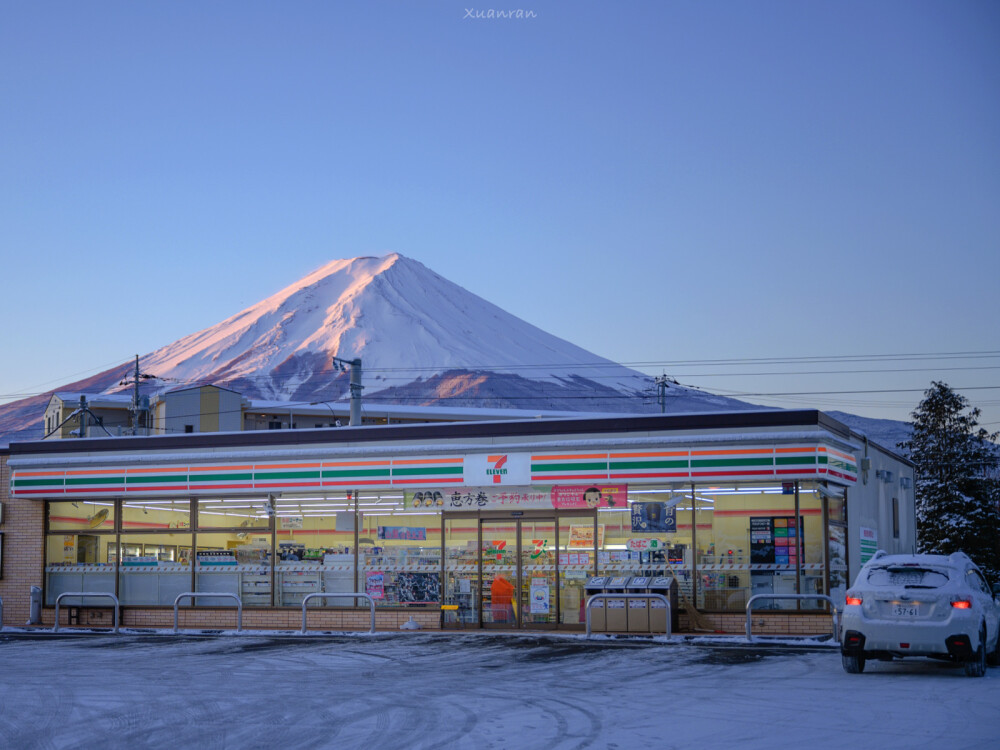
(957, 487)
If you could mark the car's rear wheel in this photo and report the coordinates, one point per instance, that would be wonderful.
(976, 665)
(854, 662)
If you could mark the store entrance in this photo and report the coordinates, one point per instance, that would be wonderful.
(515, 571)
(518, 585)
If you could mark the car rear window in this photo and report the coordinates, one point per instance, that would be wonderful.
(907, 576)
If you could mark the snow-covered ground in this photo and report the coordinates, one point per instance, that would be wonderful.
(417, 690)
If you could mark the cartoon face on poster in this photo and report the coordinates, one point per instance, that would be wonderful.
(652, 518)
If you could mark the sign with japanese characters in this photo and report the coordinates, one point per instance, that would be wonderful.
(528, 497)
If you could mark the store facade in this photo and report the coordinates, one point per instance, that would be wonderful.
(474, 525)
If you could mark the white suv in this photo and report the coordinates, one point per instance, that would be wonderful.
(921, 605)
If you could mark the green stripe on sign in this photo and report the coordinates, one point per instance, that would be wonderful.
(94, 480)
(732, 462)
(38, 482)
(797, 460)
(286, 475)
(436, 471)
(158, 479)
(328, 474)
(824, 459)
(592, 466)
(617, 465)
(220, 477)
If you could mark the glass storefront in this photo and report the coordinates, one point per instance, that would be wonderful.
(721, 543)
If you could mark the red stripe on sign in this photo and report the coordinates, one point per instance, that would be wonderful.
(354, 483)
(220, 487)
(767, 473)
(639, 475)
(428, 480)
(598, 477)
(286, 484)
(804, 470)
(38, 492)
(164, 488)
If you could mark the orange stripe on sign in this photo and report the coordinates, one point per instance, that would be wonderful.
(425, 461)
(649, 455)
(571, 457)
(18, 474)
(795, 450)
(756, 452)
(94, 472)
(156, 471)
(221, 468)
(355, 463)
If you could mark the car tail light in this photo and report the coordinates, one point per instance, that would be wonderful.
(961, 604)
(853, 600)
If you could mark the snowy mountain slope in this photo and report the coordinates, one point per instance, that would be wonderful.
(403, 320)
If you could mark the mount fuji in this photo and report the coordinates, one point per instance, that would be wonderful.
(422, 340)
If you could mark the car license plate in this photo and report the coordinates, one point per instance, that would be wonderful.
(904, 610)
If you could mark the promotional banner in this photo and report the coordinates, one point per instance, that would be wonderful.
(410, 533)
(375, 585)
(653, 518)
(582, 537)
(531, 497)
(539, 596)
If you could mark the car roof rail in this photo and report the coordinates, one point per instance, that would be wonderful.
(880, 553)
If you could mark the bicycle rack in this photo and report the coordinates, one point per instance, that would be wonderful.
(358, 595)
(201, 594)
(824, 597)
(82, 594)
(658, 597)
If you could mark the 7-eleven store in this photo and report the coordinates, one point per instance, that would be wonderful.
(471, 525)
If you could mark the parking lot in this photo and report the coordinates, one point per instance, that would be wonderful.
(422, 690)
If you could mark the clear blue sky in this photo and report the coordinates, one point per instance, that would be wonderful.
(658, 182)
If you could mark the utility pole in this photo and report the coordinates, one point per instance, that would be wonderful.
(356, 387)
(83, 416)
(661, 391)
(136, 407)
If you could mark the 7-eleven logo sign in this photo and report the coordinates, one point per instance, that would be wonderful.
(497, 470)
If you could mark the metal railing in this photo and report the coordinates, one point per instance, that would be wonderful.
(202, 594)
(658, 597)
(824, 597)
(358, 595)
(82, 594)
(1, 613)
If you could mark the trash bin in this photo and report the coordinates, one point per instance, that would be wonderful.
(595, 585)
(666, 586)
(638, 608)
(35, 611)
(616, 613)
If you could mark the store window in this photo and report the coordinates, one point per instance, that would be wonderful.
(754, 539)
(232, 553)
(154, 568)
(315, 550)
(79, 549)
(246, 513)
(89, 516)
(653, 536)
(165, 514)
(400, 553)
